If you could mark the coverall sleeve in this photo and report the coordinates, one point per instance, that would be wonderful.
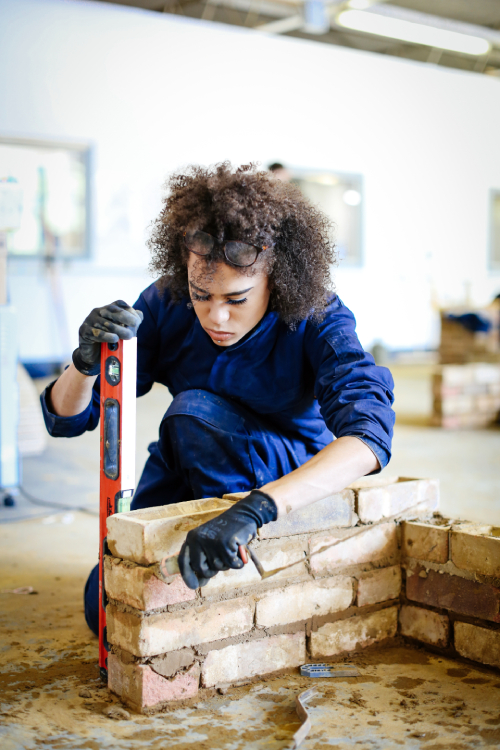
(355, 395)
(147, 353)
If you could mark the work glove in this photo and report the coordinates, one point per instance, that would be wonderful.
(213, 546)
(104, 324)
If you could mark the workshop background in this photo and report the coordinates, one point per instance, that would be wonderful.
(387, 114)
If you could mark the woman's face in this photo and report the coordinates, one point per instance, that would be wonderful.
(227, 303)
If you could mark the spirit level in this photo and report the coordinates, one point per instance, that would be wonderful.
(117, 481)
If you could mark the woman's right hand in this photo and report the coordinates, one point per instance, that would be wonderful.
(105, 324)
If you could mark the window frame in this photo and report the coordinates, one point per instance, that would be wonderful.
(299, 173)
(494, 238)
(85, 149)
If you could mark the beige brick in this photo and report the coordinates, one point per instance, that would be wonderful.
(259, 657)
(473, 549)
(424, 625)
(336, 510)
(376, 543)
(272, 553)
(377, 503)
(140, 687)
(156, 634)
(425, 541)
(145, 536)
(228, 580)
(478, 644)
(139, 587)
(304, 600)
(379, 586)
(455, 405)
(486, 373)
(360, 631)
(457, 375)
(378, 480)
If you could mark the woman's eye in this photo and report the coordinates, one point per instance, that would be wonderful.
(199, 298)
(236, 301)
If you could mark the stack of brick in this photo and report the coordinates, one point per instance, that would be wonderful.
(459, 346)
(169, 642)
(451, 594)
(466, 395)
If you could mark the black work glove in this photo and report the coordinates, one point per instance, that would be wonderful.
(213, 546)
(104, 324)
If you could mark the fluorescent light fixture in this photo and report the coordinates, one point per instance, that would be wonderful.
(417, 33)
(360, 4)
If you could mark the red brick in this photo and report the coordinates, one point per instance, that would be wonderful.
(455, 593)
(140, 687)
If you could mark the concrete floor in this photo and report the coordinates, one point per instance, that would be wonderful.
(51, 695)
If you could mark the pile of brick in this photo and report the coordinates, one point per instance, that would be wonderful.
(459, 346)
(466, 395)
(169, 642)
(451, 594)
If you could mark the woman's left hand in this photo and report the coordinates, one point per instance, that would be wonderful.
(213, 546)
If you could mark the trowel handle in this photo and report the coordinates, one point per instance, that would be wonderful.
(169, 566)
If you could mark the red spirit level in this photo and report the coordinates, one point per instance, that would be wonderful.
(118, 408)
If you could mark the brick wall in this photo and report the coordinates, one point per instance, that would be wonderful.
(466, 395)
(374, 561)
(451, 588)
(168, 642)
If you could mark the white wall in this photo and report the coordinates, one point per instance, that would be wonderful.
(152, 93)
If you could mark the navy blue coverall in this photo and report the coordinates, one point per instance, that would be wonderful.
(246, 414)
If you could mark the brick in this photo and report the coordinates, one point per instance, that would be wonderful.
(472, 549)
(379, 480)
(228, 580)
(139, 587)
(360, 631)
(486, 373)
(425, 541)
(145, 536)
(478, 644)
(245, 660)
(424, 625)
(377, 503)
(376, 543)
(158, 633)
(335, 510)
(379, 586)
(304, 600)
(457, 375)
(272, 554)
(141, 688)
(455, 405)
(455, 593)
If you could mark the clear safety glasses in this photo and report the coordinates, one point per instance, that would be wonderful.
(238, 253)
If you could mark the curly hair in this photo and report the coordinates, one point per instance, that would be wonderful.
(253, 206)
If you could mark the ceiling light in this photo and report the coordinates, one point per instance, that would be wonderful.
(417, 33)
(360, 4)
(352, 197)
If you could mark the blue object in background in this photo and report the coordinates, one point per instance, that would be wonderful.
(472, 322)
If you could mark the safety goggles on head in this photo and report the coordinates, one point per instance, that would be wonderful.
(238, 253)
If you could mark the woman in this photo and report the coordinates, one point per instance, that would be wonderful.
(261, 358)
